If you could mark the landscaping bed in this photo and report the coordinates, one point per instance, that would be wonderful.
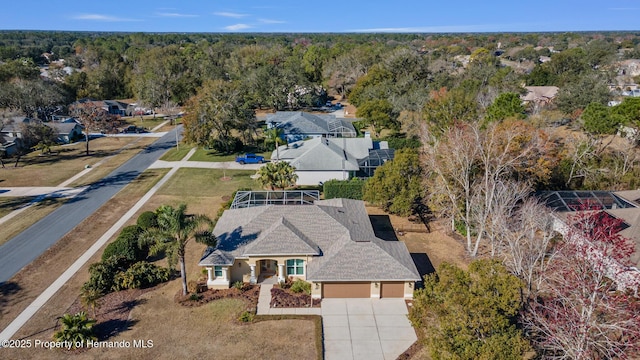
(249, 293)
(285, 298)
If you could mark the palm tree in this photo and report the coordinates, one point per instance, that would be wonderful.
(279, 175)
(76, 328)
(175, 229)
(90, 297)
(273, 135)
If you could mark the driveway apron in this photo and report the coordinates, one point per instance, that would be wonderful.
(366, 328)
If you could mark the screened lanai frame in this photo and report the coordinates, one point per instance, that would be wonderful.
(567, 200)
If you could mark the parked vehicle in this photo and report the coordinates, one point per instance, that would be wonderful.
(250, 159)
(132, 129)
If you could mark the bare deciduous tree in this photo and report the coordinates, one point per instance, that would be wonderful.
(474, 168)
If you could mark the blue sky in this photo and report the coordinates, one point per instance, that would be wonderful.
(309, 16)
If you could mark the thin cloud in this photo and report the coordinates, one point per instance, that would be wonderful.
(271, 21)
(237, 27)
(176, 15)
(431, 29)
(230, 14)
(100, 17)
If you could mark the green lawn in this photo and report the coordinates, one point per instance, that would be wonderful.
(213, 156)
(148, 122)
(207, 182)
(176, 155)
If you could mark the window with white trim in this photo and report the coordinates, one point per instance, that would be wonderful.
(295, 267)
(217, 271)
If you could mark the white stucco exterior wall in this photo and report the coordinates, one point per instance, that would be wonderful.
(316, 177)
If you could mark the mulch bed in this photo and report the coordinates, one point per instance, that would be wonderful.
(284, 298)
(249, 293)
(411, 351)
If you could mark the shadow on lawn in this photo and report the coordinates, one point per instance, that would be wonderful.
(424, 266)
(113, 318)
(113, 327)
(8, 290)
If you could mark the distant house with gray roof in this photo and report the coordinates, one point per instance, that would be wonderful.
(67, 131)
(299, 125)
(321, 159)
(330, 244)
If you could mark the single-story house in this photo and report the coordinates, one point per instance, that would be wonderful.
(112, 107)
(67, 131)
(320, 159)
(330, 244)
(299, 125)
(12, 128)
(8, 144)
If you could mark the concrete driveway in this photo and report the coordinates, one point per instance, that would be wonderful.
(368, 329)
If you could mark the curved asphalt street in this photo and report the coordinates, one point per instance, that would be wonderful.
(31, 243)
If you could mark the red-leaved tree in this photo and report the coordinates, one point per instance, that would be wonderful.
(587, 306)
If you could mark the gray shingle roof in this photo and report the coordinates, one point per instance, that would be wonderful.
(337, 230)
(282, 238)
(324, 154)
(299, 122)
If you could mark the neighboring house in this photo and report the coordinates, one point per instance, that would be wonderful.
(624, 205)
(539, 95)
(115, 107)
(67, 131)
(321, 159)
(299, 125)
(330, 244)
(8, 144)
(12, 127)
(112, 107)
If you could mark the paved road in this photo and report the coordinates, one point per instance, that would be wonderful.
(31, 243)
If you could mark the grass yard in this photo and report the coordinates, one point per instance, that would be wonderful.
(9, 204)
(188, 182)
(51, 170)
(27, 218)
(176, 155)
(213, 156)
(203, 332)
(147, 122)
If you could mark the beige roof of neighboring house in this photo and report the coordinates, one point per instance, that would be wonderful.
(540, 93)
(337, 233)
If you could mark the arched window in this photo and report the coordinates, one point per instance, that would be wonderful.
(295, 267)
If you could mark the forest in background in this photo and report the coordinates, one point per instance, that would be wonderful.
(469, 151)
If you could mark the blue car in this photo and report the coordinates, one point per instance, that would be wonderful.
(250, 159)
